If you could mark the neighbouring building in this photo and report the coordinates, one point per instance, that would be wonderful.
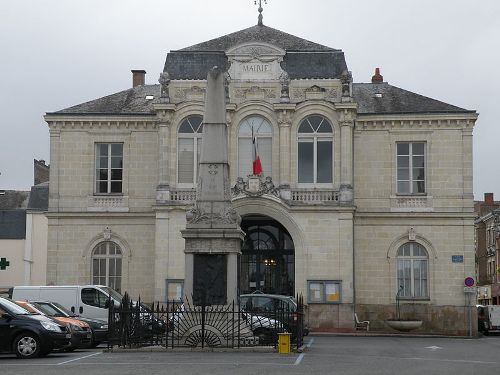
(487, 244)
(366, 188)
(23, 237)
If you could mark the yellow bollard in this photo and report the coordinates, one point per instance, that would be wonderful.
(284, 343)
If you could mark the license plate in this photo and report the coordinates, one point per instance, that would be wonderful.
(68, 335)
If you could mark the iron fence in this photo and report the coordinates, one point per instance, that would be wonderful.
(174, 324)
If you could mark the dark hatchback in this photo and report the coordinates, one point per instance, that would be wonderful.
(29, 335)
(99, 327)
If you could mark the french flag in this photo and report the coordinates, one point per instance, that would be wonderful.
(257, 166)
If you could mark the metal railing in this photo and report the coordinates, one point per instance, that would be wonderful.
(175, 324)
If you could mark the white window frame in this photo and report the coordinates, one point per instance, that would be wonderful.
(314, 138)
(254, 121)
(413, 258)
(109, 168)
(411, 179)
(195, 136)
(107, 256)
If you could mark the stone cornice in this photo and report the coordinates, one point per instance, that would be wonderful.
(100, 123)
(415, 121)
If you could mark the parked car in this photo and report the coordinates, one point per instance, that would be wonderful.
(29, 335)
(89, 301)
(276, 306)
(99, 327)
(81, 334)
(488, 319)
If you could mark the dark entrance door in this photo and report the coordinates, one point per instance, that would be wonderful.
(267, 257)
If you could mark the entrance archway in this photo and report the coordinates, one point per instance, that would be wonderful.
(267, 262)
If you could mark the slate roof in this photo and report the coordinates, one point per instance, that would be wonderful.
(13, 214)
(194, 62)
(394, 100)
(12, 224)
(13, 199)
(39, 197)
(128, 102)
(259, 33)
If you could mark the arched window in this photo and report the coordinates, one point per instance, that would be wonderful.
(412, 269)
(315, 151)
(107, 265)
(262, 130)
(189, 149)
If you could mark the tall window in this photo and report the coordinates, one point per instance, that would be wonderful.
(411, 167)
(107, 265)
(263, 132)
(189, 149)
(315, 151)
(412, 269)
(109, 168)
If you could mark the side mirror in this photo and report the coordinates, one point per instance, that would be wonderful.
(6, 316)
(106, 304)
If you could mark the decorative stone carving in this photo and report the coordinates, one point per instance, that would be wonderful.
(346, 80)
(164, 81)
(106, 234)
(254, 186)
(191, 93)
(284, 117)
(255, 61)
(412, 236)
(165, 116)
(285, 91)
(255, 92)
(315, 92)
(298, 94)
(197, 215)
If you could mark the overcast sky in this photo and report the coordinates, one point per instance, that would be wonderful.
(58, 53)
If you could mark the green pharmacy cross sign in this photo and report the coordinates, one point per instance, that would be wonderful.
(4, 263)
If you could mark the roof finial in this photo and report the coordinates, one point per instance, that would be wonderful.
(260, 11)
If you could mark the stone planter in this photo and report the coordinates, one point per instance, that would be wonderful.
(404, 325)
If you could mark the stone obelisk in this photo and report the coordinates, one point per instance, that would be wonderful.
(213, 234)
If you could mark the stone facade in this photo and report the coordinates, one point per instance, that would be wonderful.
(345, 231)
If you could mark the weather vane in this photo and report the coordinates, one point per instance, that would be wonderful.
(260, 10)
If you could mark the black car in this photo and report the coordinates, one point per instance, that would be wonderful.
(29, 335)
(99, 327)
(275, 306)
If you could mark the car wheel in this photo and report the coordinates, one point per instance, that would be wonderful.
(27, 345)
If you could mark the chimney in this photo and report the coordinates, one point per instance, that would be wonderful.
(377, 78)
(488, 199)
(138, 77)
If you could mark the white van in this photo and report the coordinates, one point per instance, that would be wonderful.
(88, 301)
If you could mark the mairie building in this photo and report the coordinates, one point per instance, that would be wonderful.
(365, 195)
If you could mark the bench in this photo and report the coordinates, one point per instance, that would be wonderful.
(364, 324)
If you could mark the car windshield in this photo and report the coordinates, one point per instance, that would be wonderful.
(113, 293)
(12, 308)
(64, 311)
(48, 310)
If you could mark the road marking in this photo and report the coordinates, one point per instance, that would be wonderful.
(310, 343)
(450, 360)
(433, 347)
(77, 359)
(299, 359)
